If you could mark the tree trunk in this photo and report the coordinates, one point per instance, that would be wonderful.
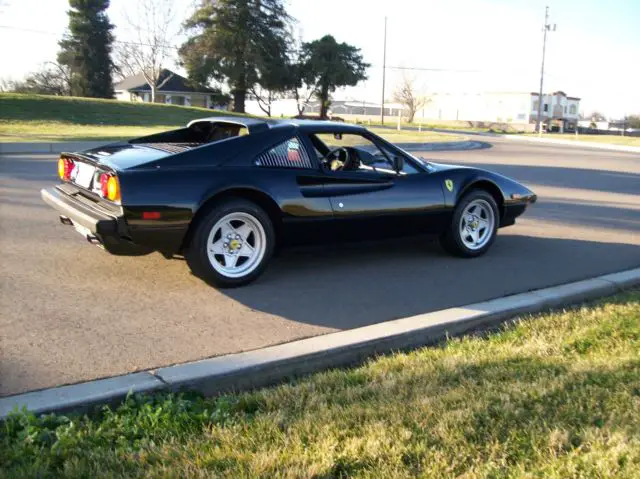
(153, 94)
(238, 100)
(299, 106)
(324, 102)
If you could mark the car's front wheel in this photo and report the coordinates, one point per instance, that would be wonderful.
(473, 227)
(232, 245)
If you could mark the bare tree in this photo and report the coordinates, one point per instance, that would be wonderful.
(597, 116)
(6, 85)
(303, 94)
(51, 79)
(264, 97)
(406, 94)
(124, 66)
(154, 30)
(302, 89)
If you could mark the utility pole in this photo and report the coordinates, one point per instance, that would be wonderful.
(547, 27)
(384, 70)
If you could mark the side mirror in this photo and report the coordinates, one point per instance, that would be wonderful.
(398, 163)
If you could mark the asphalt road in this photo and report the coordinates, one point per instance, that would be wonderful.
(70, 312)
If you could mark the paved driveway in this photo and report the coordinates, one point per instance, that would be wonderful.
(70, 312)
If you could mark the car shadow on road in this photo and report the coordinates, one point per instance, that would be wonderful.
(352, 285)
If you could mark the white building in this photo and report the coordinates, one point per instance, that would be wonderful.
(559, 111)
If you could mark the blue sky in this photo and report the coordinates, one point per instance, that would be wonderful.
(593, 54)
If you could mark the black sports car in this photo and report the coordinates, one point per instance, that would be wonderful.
(226, 192)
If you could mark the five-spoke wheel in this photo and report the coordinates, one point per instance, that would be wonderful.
(232, 244)
(237, 243)
(474, 225)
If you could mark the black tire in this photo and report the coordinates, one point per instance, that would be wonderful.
(451, 240)
(197, 251)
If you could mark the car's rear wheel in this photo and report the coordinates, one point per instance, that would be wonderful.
(232, 245)
(473, 227)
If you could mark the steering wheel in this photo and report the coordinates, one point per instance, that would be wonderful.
(341, 158)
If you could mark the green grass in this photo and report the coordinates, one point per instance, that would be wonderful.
(496, 128)
(406, 136)
(556, 395)
(51, 118)
(426, 126)
(609, 139)
(39, 118)
(62, 131)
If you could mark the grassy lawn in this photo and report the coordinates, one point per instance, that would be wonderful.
(609, 139)
(50, 118)
(52, 131)
(425, 124)
(37, 118)
(418, 122)
(556, 395)
(406, 136)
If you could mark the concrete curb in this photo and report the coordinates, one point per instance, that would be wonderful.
(444, 145)
(252, 369)
(26, 147)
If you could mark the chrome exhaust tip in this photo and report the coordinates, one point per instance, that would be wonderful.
(93, 240)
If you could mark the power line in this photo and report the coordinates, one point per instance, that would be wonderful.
(401, 68)
(452, 70)
(43, 32)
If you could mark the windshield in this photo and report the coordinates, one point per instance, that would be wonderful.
(420, 160)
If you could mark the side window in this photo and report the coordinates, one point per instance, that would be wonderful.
(354, 152)
(288, 154)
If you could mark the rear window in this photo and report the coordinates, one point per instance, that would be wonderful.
(288, 154)
(210, 132)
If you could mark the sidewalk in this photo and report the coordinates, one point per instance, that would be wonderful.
(54, 147)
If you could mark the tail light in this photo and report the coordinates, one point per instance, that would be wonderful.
(109, 187)
(65, 167)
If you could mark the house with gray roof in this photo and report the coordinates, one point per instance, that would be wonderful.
(173, 89)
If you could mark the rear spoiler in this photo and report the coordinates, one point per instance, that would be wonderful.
(91, 159)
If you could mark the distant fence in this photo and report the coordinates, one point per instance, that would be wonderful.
(595, 131)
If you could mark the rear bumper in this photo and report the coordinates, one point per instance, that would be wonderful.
(107, 229)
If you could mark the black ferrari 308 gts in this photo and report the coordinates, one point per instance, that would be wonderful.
(226, 192)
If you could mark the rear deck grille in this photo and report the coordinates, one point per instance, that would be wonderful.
(172, 147)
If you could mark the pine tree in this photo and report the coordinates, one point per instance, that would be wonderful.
(243, 42)
(86, 49)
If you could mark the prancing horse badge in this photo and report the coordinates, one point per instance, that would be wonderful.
(448, 184)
